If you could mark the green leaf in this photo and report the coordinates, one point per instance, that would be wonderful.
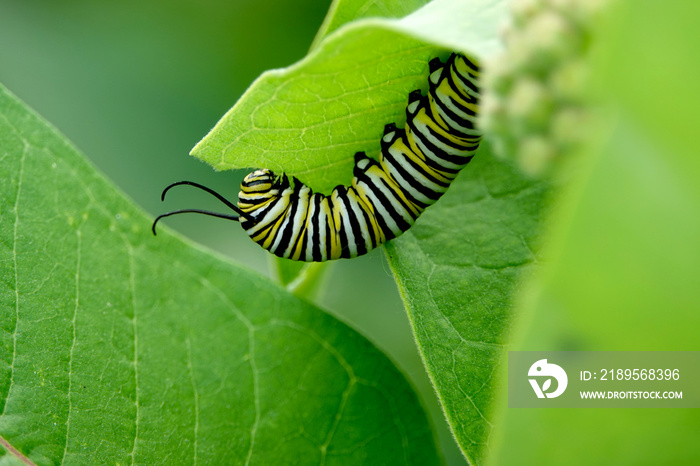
(627, 266)
(458, 269)
(345, 11)
(308, 120)
(121, 347)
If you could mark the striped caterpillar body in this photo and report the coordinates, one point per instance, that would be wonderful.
(416, 166)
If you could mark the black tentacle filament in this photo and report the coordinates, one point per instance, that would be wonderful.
(228, 204)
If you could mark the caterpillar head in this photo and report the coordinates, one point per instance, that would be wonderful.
(258, 189)
(258, 181)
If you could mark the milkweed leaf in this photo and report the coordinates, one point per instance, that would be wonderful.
(309, 119)
(458, 270)
(119, 347)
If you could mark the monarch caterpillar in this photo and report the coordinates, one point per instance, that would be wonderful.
(416, 166)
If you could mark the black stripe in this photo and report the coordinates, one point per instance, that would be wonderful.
(449, 66)
(340, 228)
(288, 230)
(439, 153)
(434, 85)
(391, 189)
(301, 236)
(441, 137)
(383, 226)
(435, 165)
(428, 161)
(266, 231)
(396, 193)
(457, 90)
(316, 237)
(471, 64)
(368, 220)
(360, 245)
(329, 243)
(414, 95)
(466, 81)
(434, 65)
(453, 116)
(461, 107)
(369, 241)
(401, 223)
(258, 201)
(402, 134)
(257, 182)
(410, 178)
(261, 215)
(360, 156)
(391, 127)
(282, 182)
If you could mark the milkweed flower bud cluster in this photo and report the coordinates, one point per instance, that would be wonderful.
(533, 103)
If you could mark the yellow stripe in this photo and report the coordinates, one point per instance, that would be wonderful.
(363, 200)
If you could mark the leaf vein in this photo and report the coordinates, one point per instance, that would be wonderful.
(134, 323)
(74, 341)
(16, 271)
(190, 369)
(251, 359)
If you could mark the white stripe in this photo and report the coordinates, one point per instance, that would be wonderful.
(310, 230)
(429, 154)
(424, 129)
(298, 220)
(371, 198)
(435, 107)
(281, 204)
(342, 208)
(445, 99)
(392, 199)
(323, 222)
(463, 87)
(364, 227)
(405, 185)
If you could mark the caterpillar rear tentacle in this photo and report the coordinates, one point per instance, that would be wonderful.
(416, 166)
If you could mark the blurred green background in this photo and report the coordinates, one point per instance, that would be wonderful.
(135, 85)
